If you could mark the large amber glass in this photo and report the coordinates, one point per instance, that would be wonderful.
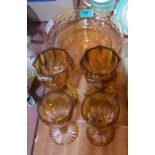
(100, 65)
(53, 67)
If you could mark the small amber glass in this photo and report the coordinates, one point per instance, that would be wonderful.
(55, 110)
(100, 110)
(53, 67)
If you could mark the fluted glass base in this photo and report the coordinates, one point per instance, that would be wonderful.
(64, 135)
(100, 136)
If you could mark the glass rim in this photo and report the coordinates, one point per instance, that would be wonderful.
(75, 13)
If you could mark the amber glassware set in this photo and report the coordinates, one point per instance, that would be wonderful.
(100, 108)
(94, 46)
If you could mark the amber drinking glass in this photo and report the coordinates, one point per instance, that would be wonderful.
(100, 110)
(55, 110)
(53, 67)
(100, 65)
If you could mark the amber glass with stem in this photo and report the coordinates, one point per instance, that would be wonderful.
(101, 110)
(56, 110)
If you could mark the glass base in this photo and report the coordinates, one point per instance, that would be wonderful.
(100, 136)
(64, 135)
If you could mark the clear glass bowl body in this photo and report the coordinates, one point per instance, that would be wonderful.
(76, 34)
(53, 67)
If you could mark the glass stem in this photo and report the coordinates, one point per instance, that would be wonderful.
(64, 129)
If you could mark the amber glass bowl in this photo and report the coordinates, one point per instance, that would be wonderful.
(76, 34)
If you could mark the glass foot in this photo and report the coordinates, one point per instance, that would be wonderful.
(64, 135)
(100, 137)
